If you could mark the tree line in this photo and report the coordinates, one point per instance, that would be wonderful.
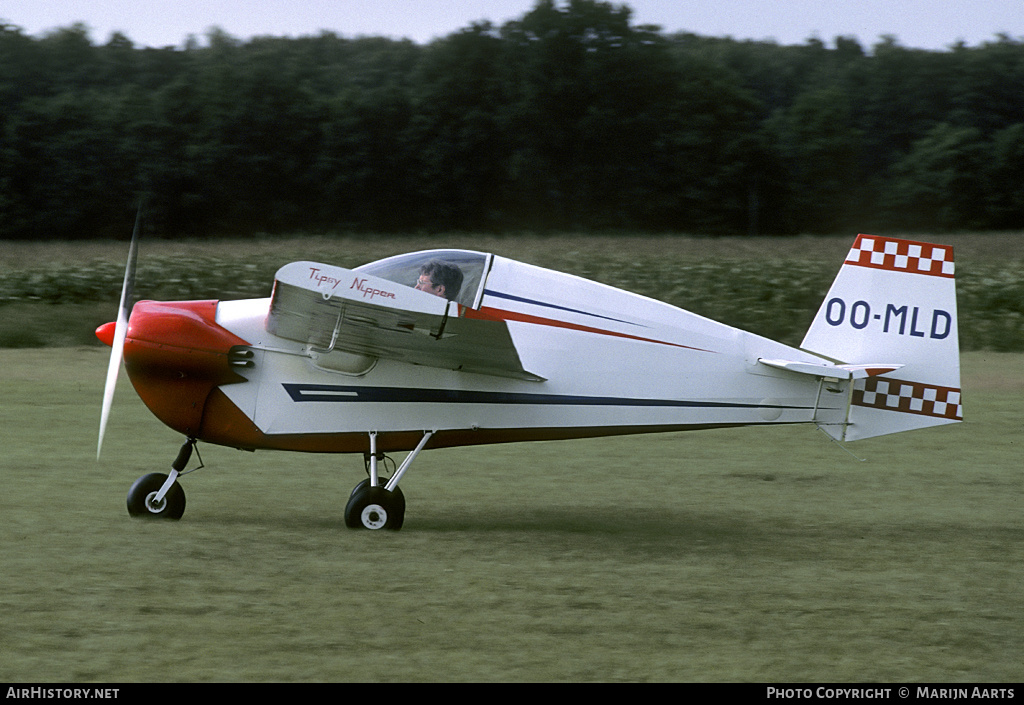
(570, 117)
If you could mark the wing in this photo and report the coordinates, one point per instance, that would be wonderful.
(332, 308)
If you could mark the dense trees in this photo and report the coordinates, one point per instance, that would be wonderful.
(569, 117)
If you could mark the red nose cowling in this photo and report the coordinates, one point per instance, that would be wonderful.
(175, 355)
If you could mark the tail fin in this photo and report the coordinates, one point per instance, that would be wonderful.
(893, 300)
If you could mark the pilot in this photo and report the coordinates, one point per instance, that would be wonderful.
(440, 279)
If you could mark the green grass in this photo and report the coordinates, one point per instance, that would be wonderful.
(761, 554)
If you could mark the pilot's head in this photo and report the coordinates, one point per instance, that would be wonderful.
(440, 279)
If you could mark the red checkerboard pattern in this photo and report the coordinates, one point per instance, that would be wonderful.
(909, 397)
(902, 256)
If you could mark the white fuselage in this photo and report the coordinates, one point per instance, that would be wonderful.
(610, 361)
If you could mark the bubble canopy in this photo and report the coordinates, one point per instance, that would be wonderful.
(405, 269)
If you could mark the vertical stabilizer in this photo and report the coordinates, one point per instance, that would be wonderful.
(893, 300)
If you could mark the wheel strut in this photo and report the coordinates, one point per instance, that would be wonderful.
(184, 455)
(393, 482)
(372, 506)
(374, 479)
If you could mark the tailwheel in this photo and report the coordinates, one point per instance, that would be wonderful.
(375, 508)
(144, 501)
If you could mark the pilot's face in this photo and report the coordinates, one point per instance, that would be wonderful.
(424, 283)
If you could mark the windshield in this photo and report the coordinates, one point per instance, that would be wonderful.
(441, 267)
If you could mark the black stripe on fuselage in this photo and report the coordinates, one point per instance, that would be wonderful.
(335, 393)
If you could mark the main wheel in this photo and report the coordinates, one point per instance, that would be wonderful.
(381, 482)
(142, 498)
(375, 508)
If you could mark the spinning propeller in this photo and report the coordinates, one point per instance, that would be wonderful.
(116, 337)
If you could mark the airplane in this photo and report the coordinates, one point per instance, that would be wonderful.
(452, 347)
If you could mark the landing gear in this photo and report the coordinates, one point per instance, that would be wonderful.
(145, 501)
(375, 508)
(378, 503)
(159, 496)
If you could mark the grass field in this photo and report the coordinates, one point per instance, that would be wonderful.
(761, 554)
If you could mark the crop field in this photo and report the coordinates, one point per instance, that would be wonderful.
(739, 555)
(57, 293)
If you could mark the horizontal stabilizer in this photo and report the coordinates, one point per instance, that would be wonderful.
(830, 370)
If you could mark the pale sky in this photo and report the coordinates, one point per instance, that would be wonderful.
(925, 24)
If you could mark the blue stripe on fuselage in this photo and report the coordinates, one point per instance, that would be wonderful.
(511, 297)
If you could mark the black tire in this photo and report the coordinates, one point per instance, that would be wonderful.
(399, 497)
(375, 508)
(147, 486)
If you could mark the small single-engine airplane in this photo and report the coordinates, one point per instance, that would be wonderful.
(451, 347)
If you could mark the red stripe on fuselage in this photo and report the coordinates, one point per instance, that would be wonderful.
(497, 314)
